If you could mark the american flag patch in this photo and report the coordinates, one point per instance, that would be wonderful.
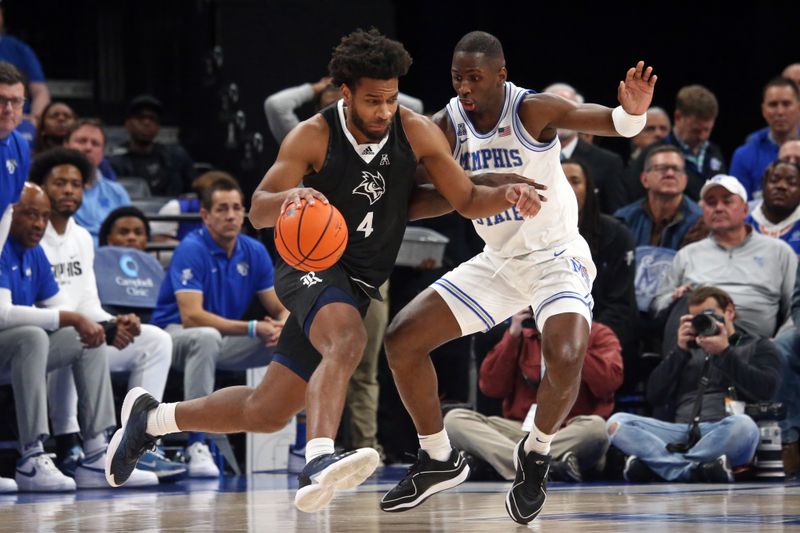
(504, 131)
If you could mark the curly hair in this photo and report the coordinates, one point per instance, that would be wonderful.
(43, 163)
(367, 54)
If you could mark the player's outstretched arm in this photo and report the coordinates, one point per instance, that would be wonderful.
(302, 152)
(471, 201)
(542, 113)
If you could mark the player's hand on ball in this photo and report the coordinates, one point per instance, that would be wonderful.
(297, 195)
(526, 198)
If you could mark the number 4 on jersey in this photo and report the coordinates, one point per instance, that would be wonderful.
(366, 225)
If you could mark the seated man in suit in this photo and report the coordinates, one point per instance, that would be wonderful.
(605, 167)
(696, 110)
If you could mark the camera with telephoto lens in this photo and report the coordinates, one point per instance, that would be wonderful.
(704, 324)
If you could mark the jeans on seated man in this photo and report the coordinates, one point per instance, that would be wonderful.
(788, 343)
(27, 353)
(214, 274)
(712, 359)
(512, 371)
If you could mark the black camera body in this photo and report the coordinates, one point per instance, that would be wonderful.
(529, 322)
(704, 324)
(765, 411)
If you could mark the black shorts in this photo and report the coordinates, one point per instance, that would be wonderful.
(304, 294)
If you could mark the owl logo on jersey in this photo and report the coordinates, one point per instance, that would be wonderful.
(372, 186)
(242, 268)
(11, 165)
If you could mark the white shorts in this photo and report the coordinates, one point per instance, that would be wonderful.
(488, 289)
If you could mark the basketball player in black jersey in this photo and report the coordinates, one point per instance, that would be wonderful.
(361, 155)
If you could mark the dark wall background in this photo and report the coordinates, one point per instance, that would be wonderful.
(162, 47)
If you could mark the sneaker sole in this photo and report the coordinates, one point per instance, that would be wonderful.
(22, 486)
(348, 473)
(518, 518)
(433, 489)
(127, 405)
(87, 481)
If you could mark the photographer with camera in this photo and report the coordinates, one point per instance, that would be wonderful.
(512, 371)
(696, 437)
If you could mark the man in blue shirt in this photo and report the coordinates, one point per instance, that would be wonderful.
(780, 107)
(214, 274)
(28, 352)
(23, 57)
(101, 195)
(778, 212)
(15, 156)
(665, 215)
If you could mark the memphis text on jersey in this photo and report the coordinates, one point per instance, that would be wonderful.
(488, 158)
(492, 158)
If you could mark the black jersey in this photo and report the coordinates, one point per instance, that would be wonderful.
(371, 185)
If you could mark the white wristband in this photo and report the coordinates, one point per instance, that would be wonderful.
(627, 125)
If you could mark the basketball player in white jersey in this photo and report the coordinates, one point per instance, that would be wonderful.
(540, 262)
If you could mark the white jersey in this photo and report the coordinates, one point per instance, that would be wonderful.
(71, 257)
(508, 147)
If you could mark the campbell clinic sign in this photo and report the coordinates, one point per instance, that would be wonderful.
(127, 277)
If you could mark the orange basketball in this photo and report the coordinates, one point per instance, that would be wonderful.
(312, 237)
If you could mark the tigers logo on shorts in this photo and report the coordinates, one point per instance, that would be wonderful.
(578, 267)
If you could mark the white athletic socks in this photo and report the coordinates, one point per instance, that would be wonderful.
(317, 447)
(161, 420)
(437, 445)
(538, 441)
(31, 449)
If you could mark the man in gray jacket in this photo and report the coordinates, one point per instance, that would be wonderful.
(757, 271)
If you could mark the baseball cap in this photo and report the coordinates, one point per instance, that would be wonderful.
(143, 101)
(729, 183)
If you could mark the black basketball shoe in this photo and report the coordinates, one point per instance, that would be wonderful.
(717, 471)
(131, 440)
(425, 478)
(566, 468)
(324, 475)
(527, 495)
(637, 471)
